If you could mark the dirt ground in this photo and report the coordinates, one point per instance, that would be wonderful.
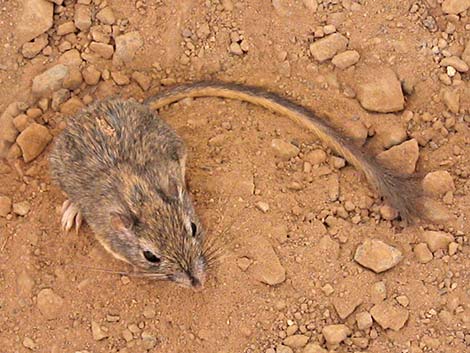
(294, 222)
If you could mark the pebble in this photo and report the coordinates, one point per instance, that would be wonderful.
(388, 213)
(452, 100)
(235, 48)
(316, 157)
(326, 48)
(127, 335)
(283, 149)
(73, 80)
(71, 58)
(266, 268)
(120, 78)
(21, 208)
(335, 334)
(402, 157)
(389, 316)
(227, 5)
(31, 49)
(337, 162)
(106, 16)
(106, 51)
(376, 255)
(391, 136)
(5, 206)
(403, 300)
(72, 106)
(378, 292)
(262, 206)
(149, 312)
(91, 75)
(346, 305)
(33, 140)
(143, 80)
(59, 97)
(296, 341)
(36, 18)
(455, 7)
(364, 320)
(314, 348)
(453, 248)
(66, 28)
(466, 54)
(50, 304)
(97, 332)
(456, 63)
(82, 17)
(50, 80)
(126, 47)
(422, 253)
(150, 341)
(328, 289)
(283, 349)
(437, 240)
(346, 59)
(311, 5)
(438, 183)
(29, 343)
(244, 263)
(379, 90)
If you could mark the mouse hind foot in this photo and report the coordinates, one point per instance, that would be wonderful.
(71, 216)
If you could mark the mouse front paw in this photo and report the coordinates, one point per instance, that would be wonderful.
(70, 216)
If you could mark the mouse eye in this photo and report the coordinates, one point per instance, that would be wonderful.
(193, 229)
(150, 256)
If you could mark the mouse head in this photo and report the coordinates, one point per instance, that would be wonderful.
(157, 231)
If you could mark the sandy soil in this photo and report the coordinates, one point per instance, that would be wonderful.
(52, 301)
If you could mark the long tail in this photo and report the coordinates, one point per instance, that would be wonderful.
(400, 191)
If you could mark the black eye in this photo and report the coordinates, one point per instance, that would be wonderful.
(150, 256)
(193, 229)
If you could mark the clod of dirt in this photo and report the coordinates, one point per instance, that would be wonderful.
(36, 18)
(454, 7)
(50, 304)
(437, 240)
(31, 49)
(379, 90)
(97, 332)
(283, 149)
(364, 320)
(438, 183)
(21, 208)
(422, 253)
(82, 18)
(376, 255)
(126, 47)
(5, 206)
(402, 157)
(50, 80)
(327, 47)
(335, 334)
(346, 305)
(389, 316)
(296, 341)
(346, 59)
(33, 140)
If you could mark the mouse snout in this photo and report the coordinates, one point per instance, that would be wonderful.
(196, 283)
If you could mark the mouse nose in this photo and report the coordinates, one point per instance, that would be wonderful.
(196, 284)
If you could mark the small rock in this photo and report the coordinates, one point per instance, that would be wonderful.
(227, 5)
(21, 122)
(71, 58)
(262, 206)
(438, 183)
(389, 316)
(364, 320)
(283, 349)
(379, 90)
(346, 59)
(401, 158)
(144, 81)
(150, 341)
(327, 47)
(31, 49)
(345, 306)
(403, 300)
(29, 343)
(21, 208)
(316, 157)
(283, 149)
(73, 80)
(106, 51)
(50, 304)
(127, 335)
(5, 206)
(243, 263)
(33, 140)
(126, 47)
(311, 5)
(91, 75)
(314, 348)
(58, 98)
(466, 54)
(455, 7)
(36, 18)
(328, 289)
(335, 334)
(422, 253)
(120, 78)
(72, 106)
(456, 63)
(296, 341)
(391, 135)
(337, 162)
(453, 247)
(50, 80)
(235, 48)
(266, 268)
(66, 28)
(388, 213)
(106, 16)
(452, 100)
(377, 256)
(82, 18)
(149, 312)
(437, 240)
(97, 332)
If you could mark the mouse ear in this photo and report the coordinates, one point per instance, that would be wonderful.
(172, 189)
(121, 222)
